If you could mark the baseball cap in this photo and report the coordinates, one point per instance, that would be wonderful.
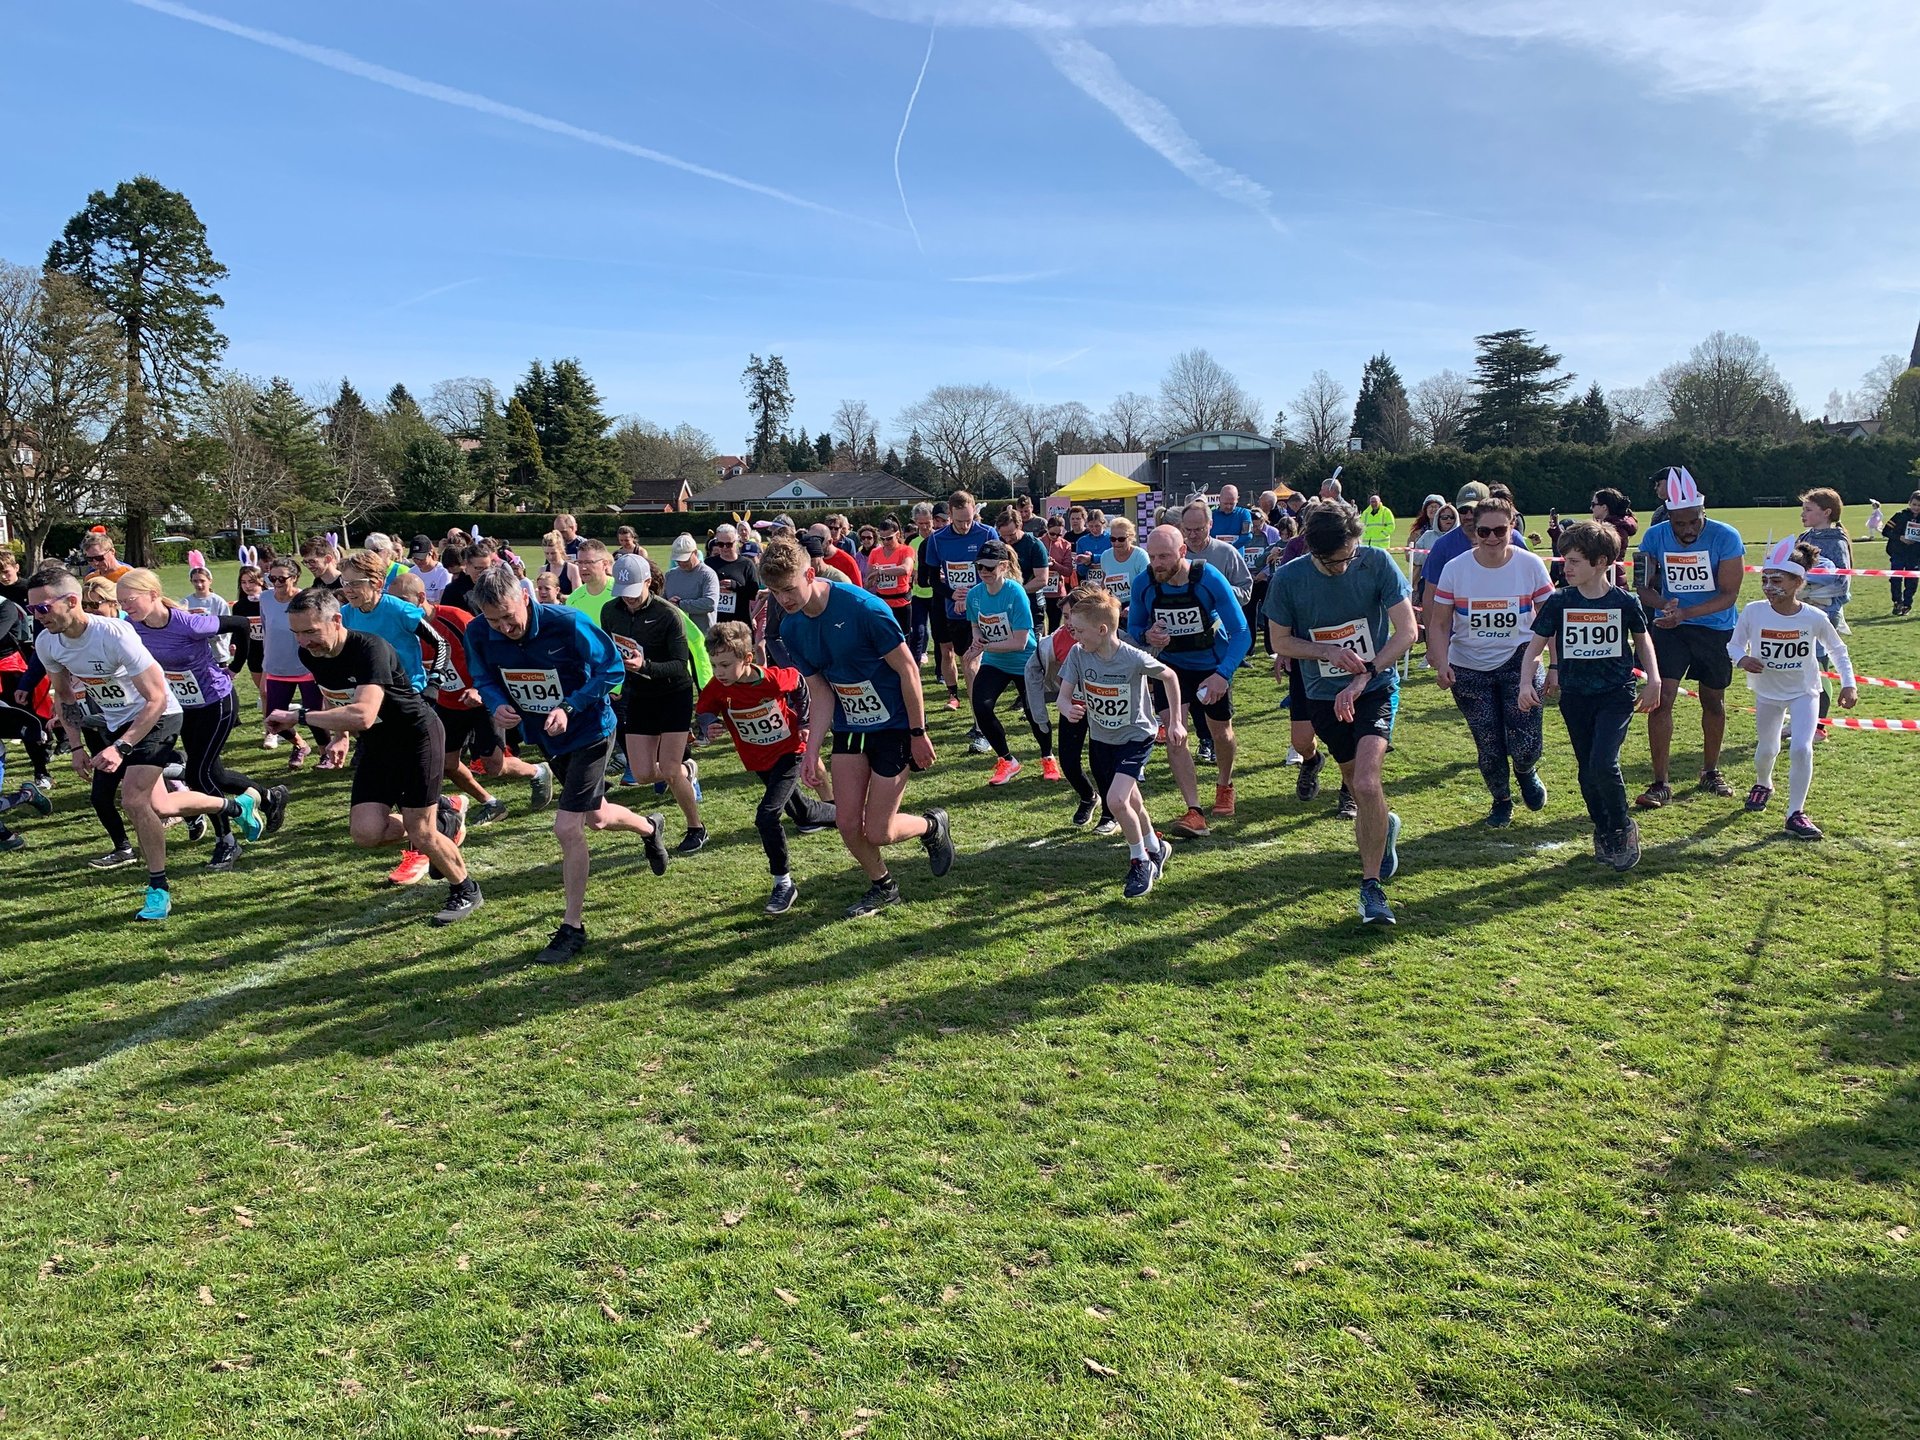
(629, 575)
(993, 550)
(683, 546)
(813, 545)
(421, 545)
(1471, 493)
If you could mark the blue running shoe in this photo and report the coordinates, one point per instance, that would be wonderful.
(159, 904)
(1374, 909)
(249, 822)
(1390, 858)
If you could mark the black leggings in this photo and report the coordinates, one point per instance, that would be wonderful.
(24, 726)
(203, 732)
(783, 796)
(104, 792)
(1502, 731)
(989, 684)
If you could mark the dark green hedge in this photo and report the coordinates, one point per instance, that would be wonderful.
(405, 524)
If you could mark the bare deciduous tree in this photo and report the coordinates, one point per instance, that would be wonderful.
(1130, 420)
(1030, 430)
(1875, 395)
(1727, 388)
(856, 435)
(1638, 412)
(1199, 393)
(459, 408)
(62, 392)
(1439, 405)
(251, 484)
(651, 452)
(965, 429)
(1321, 415)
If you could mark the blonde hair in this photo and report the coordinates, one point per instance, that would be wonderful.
(145, 582)
(1119, 526)
(732, 638)
(554, 540)
(1098, 603)
(98, 590)
(782, 560)
(367, 564)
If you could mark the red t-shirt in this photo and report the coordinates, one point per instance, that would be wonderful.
(843, 562)
(761, 717)
(898, 591)
(452, 622)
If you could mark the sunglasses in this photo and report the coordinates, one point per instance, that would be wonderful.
(1487, 532)
(45, 607)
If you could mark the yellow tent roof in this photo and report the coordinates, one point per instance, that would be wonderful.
(1100, 483)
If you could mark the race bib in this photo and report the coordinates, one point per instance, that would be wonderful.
(994, 627)
(1353, 635)
(256, 628)
(762, 724)
(535, 692)
(108, 692)
(1591, 635)
(1120, 587)
(1782, 651)
(1912, 532)
(1254, 553)
(1690, 573)
(861, 706)
(1495, 621)
(727, 600)
(186, 687)
(1181, 620)
(960, 574)
(629, 648)
(336, 698)
(1108, 706)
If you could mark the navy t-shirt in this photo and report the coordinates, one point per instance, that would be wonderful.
(1592, 640)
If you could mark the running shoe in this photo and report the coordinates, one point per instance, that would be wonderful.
(1390, 857)
(655, 843)
(43, 782)
(196, 828)
(1533, 790)
(226, 850)
(939, 845)
(693, 777)
(1294, 757)
(1348, 808)
(541, 785)
(1714, 783)
(978, 743)
(249, 822)
(1191, 826)
(11, 839)
(1160, 852)
(411, 870)
(462, 900)
(1625, 849)
(112, 860)
(693, 842)
(1223, 801)
(1204, 755)
(158, 906)
(1655, 795)
(1758, 797)
(275, 808)
(879, 896)
(567, 942)
(1374, 909)
(1107, 826)
(299, 756)
(1050, 769)
(270, 741)
(1801, 828)
(785, 892)
(1139, 879)
(1500, 816)
(489, 810)
(953, 702)
(1306, 785)
(36, 796)
(813, 827)
(327, 762)
(1003, 771)
(1083, 812)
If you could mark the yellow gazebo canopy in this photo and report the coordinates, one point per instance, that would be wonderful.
(1100, 483)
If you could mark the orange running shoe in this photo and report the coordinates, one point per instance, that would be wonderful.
(1050, 769)
(1223, 801)
(411, 870)
(1003, 771)
(1191, 826)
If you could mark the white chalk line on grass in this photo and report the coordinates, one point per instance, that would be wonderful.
(25, 1101)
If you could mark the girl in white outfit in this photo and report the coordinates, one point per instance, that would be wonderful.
(1778, 643)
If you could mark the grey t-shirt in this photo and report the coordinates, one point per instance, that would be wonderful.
(696, 592)
(1119, 706)
(1232, 565)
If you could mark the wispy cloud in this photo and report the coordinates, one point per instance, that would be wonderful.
(353, 65)
(437, 290)
(901, 138)
(1150, 122)
(1853, 68)
(1068, 359)
(1024, 277)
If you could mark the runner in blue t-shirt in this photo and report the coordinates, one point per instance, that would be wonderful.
(1343, 611)
(1002, 620)
(1232, 521)
(946, 564)
(865, 687)
(370, 611)
(1688, 575)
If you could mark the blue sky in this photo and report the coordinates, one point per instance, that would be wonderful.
(411, 191)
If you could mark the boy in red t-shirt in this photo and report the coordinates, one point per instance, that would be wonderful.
(765, 710)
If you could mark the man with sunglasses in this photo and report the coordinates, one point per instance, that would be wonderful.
(1344, 612)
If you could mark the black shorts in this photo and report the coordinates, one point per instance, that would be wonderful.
(470, 731)
(1296, 692)
(887, 752)
(400, 766)
(1373, 714)
(1127, 758)
(954, 630)
(1220, 710)
(155, 747)
(1693, 652)
(661, 712)
(582, 775)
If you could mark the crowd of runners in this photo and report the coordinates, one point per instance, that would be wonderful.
(438, 675)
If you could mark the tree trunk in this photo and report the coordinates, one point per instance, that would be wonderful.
(34, 537)
(136, 546)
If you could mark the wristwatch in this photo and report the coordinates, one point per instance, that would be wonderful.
(916, 731)
(1370, 668)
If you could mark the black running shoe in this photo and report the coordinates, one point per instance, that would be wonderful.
(488, 811)
(1348, 808)
(196, 828)
(879, 896)
(276, 807)
(226, 850)
(656, 843)
(1083, 812)
(567, 942)
(813, 827)
(1139, 879)
(11, 839)
(939, 843)
(785, 892)
(462, 900)
(692, 843)
(1306, 784)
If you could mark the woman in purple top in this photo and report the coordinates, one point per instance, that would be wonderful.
(182, 641)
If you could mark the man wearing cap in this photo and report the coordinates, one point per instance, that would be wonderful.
(434, 576)
(1688, 573)
(1456, 542)
(691, 583)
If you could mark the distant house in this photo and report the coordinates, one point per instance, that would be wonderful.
(658, 497)
(728, 466)
(813, 490)
(1852, 429)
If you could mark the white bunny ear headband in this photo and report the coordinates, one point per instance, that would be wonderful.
(1780, 557)
(1683, 492)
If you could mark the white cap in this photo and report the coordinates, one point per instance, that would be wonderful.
(630, 574)
(683, 546)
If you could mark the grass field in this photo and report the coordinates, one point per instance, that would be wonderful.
(1566, 1154)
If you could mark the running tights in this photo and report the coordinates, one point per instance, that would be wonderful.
(989, 684)
(203, 732)
(783, 796)
(280, 693)
(26, 727)
(104, 791)
(1502, 731)
(1803, 711)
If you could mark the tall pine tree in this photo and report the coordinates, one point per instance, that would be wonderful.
(769, 403)
(1515, 393)
(1381, 416)
(1588, 420)
(527, 480)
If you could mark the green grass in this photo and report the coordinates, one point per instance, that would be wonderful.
(1565, 1155)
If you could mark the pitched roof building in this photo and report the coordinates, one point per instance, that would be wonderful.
(812, 490)
(670, 495)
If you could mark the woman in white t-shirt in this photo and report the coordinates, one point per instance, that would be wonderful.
(1491, 593)
(1778, 642)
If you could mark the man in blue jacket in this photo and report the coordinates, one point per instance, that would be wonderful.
(1187, 614)
(550, 669)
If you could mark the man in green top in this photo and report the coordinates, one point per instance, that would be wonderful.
(922, 595)
(1376, 524)
(595, 563)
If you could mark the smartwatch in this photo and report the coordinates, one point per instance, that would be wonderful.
(916, 731)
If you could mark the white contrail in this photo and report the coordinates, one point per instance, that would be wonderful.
(353, 65)
(900, 139)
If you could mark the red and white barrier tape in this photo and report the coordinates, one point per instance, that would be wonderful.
(1855, 722)
(1883, 574)
(1877, 680)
